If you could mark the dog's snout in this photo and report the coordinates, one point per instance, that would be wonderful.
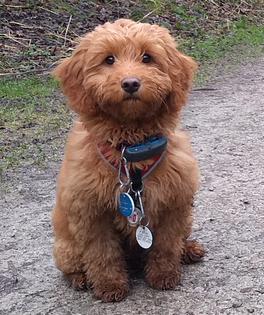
(130, 85)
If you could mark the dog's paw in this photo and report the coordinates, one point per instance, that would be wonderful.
(164, 280)
(193, 252)
(111, 292)
(77, 280)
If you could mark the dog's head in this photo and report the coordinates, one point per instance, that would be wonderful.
(127, 70)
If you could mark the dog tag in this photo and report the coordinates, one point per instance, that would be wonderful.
(134, 218)
(126, 204)
(144, 237)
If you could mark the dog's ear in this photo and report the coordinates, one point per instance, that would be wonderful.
(70, 73)
(181, 69)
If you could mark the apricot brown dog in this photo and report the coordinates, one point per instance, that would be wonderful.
(128, 83)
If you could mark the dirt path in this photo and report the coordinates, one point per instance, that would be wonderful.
(227, 127)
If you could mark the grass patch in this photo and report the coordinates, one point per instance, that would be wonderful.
(34, 123)
(209, 50)
(215, 47)
(156, 5)
(32, 128)
(26, 88)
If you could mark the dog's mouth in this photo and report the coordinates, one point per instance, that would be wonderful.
(131, 107)
(131, 98)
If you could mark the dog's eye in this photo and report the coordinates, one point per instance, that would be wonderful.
(146, 58)
(110, 60)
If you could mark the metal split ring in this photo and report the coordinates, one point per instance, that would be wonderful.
(123, 162)
(140, 221)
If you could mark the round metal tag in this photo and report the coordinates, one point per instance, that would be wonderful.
(126, 204)
(144, 237)
(134, 218)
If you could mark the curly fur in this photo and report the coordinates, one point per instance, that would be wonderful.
(92, 240)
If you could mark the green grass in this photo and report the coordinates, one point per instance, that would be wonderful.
(33, 124)
(214, 47)
(156, 5)
(26, 88)
(33, 121)
(244, 40)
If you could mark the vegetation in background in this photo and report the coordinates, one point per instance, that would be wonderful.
(26, 88)
(32, 124)
(36, 34)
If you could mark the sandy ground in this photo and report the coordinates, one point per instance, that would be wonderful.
(226, 124)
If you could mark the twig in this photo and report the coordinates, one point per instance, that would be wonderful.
(15, 6)
(66, 32)
(203, 89)
(214, 3)
(15, 40)
(25, 72)
(53, 64)
(147, 15)
(56, 35)
(26, 26)
(75, 34)
(245, 2)
(45, 9)
(10, 47)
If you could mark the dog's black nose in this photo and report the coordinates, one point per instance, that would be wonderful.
(130, 85)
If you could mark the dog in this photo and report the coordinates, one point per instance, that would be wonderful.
(127, 82)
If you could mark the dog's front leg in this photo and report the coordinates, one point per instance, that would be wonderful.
(104, 262)
(164, 259)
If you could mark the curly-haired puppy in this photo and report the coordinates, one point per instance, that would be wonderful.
(128, 82)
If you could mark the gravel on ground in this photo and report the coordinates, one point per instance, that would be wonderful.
(226, 122)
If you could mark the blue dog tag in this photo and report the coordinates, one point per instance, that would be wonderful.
(126, 204)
